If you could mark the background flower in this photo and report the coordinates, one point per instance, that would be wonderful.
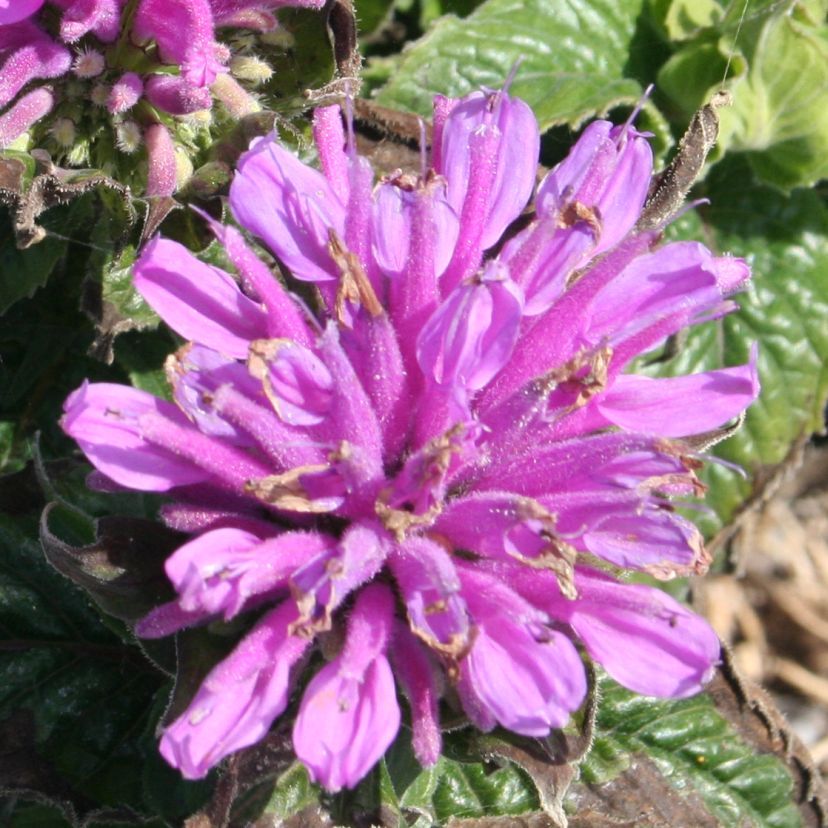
(100, 79)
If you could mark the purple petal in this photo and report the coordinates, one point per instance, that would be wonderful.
(285, 446)
(239, 699)
(346, 723)
(417, 676)
(329, 137)
(607, 172)
(658, 542)
(567, 465)
(543, 257)
(285, 317)
(100, 17)
(643, 638)
(349, 714)
(352, 416)
(183, 32)
(105, 420)
(196, 300)
(470, 336)
(537, 352)
(732, 274)
(393, 217)
(36, 57)
(290, 206)
(176, 95)
(26, 111)
(327, 579)
(530, 686)
(221, 570)
(430, 589)
(169, 618)
(195, 373)
(372, 343)
(510, 168)
(680, 406)
(675, 282)
(12, 11)
(295, 380)
(504, 526)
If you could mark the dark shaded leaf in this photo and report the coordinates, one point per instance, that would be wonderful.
(123, 569)
(73, 693)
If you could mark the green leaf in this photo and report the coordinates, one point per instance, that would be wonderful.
(785, 239)
(779, 115)
(291, 793)
(371, 13)
(461, 784)
(777, 70)
(118, 291)
(302, 60)
(22, 272)
(690, 761)
(142, 356)
(122, 567)
(573, 58)
(685, 18)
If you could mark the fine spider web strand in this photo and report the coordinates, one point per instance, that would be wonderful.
(72, 240)
(735, 41)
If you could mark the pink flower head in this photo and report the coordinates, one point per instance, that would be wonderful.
(436, 463)
(177, 45)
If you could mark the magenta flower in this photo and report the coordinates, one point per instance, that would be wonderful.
(445, 463)
(44, 75)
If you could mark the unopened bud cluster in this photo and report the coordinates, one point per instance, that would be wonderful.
(97, 83)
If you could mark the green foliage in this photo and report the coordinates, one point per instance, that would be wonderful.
(572, 58)
(697, 751)
(777, 61)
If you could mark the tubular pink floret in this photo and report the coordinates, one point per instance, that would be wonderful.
(38, 58)
(161, 174)
(176, 95)
(125, 93)
(29, 109)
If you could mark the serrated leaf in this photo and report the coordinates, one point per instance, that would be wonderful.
(573, 58)
(469, 780)
(292, 793)
(58, 664)
(122, 568)
(785, 239)
(119, 292)
(689, 762)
